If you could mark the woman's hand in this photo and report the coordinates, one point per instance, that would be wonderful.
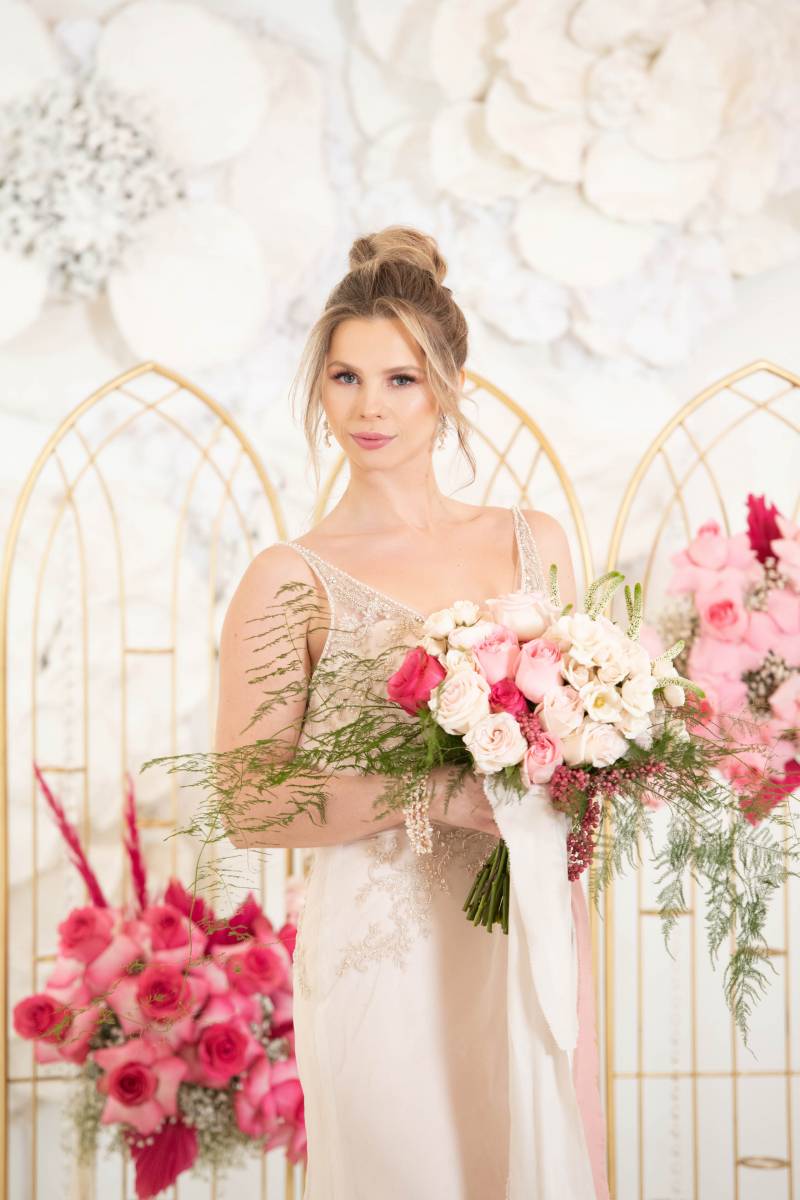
(468, 806)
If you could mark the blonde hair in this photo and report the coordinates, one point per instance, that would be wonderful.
(396, 272)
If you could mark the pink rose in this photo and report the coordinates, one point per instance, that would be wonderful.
(140, 1080)
(711, 556)
(112, 964)
(505, 696)
(541, 759)
(170, 928)
(84, 1018)
(722, 613)
(222, 1051)
(498, 654)
(254, 1104)
(786, 548)
(783, 606)
(163, 992)
(85, 932)
(539, 669)
(40, 1016)
(785, 702)
(256, 967)
(713, 658)
(412, 683)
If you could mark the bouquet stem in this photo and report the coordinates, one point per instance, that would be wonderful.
(488, 901)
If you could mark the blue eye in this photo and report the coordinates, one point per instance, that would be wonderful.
(410, 378)
(339, 374)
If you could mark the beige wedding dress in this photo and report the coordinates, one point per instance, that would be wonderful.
(399, 1001)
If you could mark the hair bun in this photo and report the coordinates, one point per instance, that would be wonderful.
(399, 243)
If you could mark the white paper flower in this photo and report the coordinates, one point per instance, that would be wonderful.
(193, 288)
(80, 172)
(201, 76)
(28, 55)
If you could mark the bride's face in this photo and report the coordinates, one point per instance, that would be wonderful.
(375, 382)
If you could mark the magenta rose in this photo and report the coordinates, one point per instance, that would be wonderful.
(85, 932)
(41, 1016)
(412, 683)
(223, 1050)
(140, 1082)
(163, 992)
(722, 613)
(254, 1104)
(505, 696)
(170, 928)
(541, 759)
(113, 963)
(539, 669)
(498, 654)
(74, 1046)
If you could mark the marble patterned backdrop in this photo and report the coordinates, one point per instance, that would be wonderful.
(615, 185)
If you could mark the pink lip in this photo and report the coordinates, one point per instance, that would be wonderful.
(370, 442)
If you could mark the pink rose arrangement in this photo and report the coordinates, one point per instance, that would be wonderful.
(181, 1022)
(740, 622)
(546, 698)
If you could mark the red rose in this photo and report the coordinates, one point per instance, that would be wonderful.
(222, 1050)
(86, 932)
(40, 1016)
(163, 992)
(412, 684)
(132, 1083)
(505, 696)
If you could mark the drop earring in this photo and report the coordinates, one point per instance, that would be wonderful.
(327, 436)
(442, 432)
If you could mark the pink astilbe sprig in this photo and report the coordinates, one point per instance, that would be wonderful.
(133, 845)
(70, 836)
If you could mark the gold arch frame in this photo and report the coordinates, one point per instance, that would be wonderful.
(756, 374)
(175, 385)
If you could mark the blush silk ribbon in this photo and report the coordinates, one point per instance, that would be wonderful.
(557, 1132)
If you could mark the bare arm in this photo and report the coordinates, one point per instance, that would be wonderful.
(349, 798)
(553, 547)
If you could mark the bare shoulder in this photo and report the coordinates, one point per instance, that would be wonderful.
(265, 579)
(553, 546)
(547, 529)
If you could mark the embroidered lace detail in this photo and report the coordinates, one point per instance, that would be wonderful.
(299, 961)
(533, 576)
(410, 885)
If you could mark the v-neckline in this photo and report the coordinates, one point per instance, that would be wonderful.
(367, 587)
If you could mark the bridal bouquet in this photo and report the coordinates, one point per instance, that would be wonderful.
(181, 1024)
(541, 702)
(739, 616)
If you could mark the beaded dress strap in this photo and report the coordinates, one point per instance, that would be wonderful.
(532, 572)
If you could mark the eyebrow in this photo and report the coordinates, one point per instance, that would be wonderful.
(337, 362)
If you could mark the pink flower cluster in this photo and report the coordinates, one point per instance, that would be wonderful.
(164, 994)
(736, 638)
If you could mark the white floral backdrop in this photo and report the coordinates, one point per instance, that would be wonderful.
(615, 184)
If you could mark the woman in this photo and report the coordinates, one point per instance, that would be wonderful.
(400, 1003)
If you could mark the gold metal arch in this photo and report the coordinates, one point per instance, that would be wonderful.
(72, 487)
(709, 455)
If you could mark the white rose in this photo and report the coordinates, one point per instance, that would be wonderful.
(496, 741)
(460, 701)
(573, 745)
(432, 645)
(613, 661)
(587, 638)
(645, 739)
(601, 700)
(638, 658)
(633, 726)
(459, 660)
(576, 673)
(561, 711)
(604, 745)
(526, 613)
(560, 632)
(439, 623)
(465, 636)
(637, 694)
(466, 612)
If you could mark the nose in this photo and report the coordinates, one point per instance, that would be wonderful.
(371, 399)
